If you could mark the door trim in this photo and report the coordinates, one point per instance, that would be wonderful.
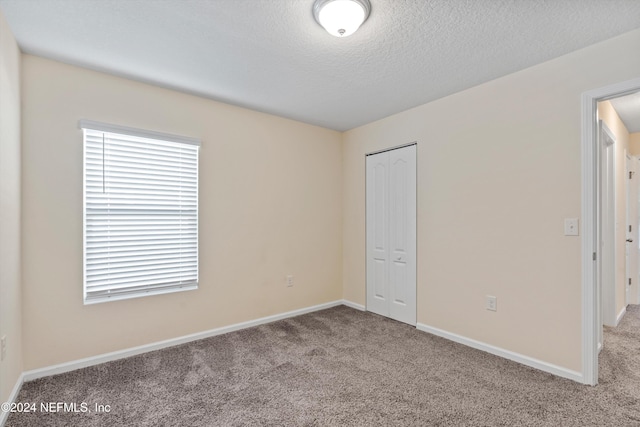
(589, 231)
(607, 143)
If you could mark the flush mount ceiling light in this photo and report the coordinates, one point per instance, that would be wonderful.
(341, 18)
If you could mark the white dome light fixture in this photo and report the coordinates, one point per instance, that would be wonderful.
(341, 18)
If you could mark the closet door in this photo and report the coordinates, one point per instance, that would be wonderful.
(391, 233)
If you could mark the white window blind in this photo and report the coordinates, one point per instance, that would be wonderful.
(140, 212)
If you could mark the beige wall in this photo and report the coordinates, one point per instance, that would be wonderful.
(498, 171)
(608, 115)
(634, 143)
(270, 205)
(10, 298)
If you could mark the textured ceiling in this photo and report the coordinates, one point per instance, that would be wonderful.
(270, 55)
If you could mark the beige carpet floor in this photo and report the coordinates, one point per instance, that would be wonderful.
(340, 367)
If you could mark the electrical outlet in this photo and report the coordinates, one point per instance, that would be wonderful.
(289, 281)
(3, 347)
(491, 303)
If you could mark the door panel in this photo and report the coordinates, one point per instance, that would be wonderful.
(403, 233)
(379, 276)
(380, 201)
(399, 283)
(377, 233)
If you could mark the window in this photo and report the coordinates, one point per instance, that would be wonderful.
(140, 212)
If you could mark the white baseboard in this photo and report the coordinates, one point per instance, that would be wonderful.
(516, 357)
(12, 398)
(353, 305)
(621, 315)
(121, 354)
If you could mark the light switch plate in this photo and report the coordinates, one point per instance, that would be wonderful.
(571, 227)
(491, 303)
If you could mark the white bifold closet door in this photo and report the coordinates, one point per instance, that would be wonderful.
(391, 233)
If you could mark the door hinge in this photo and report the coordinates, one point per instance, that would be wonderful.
(630, 229)
(630, 174)
(629, 281)
(594, 256)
